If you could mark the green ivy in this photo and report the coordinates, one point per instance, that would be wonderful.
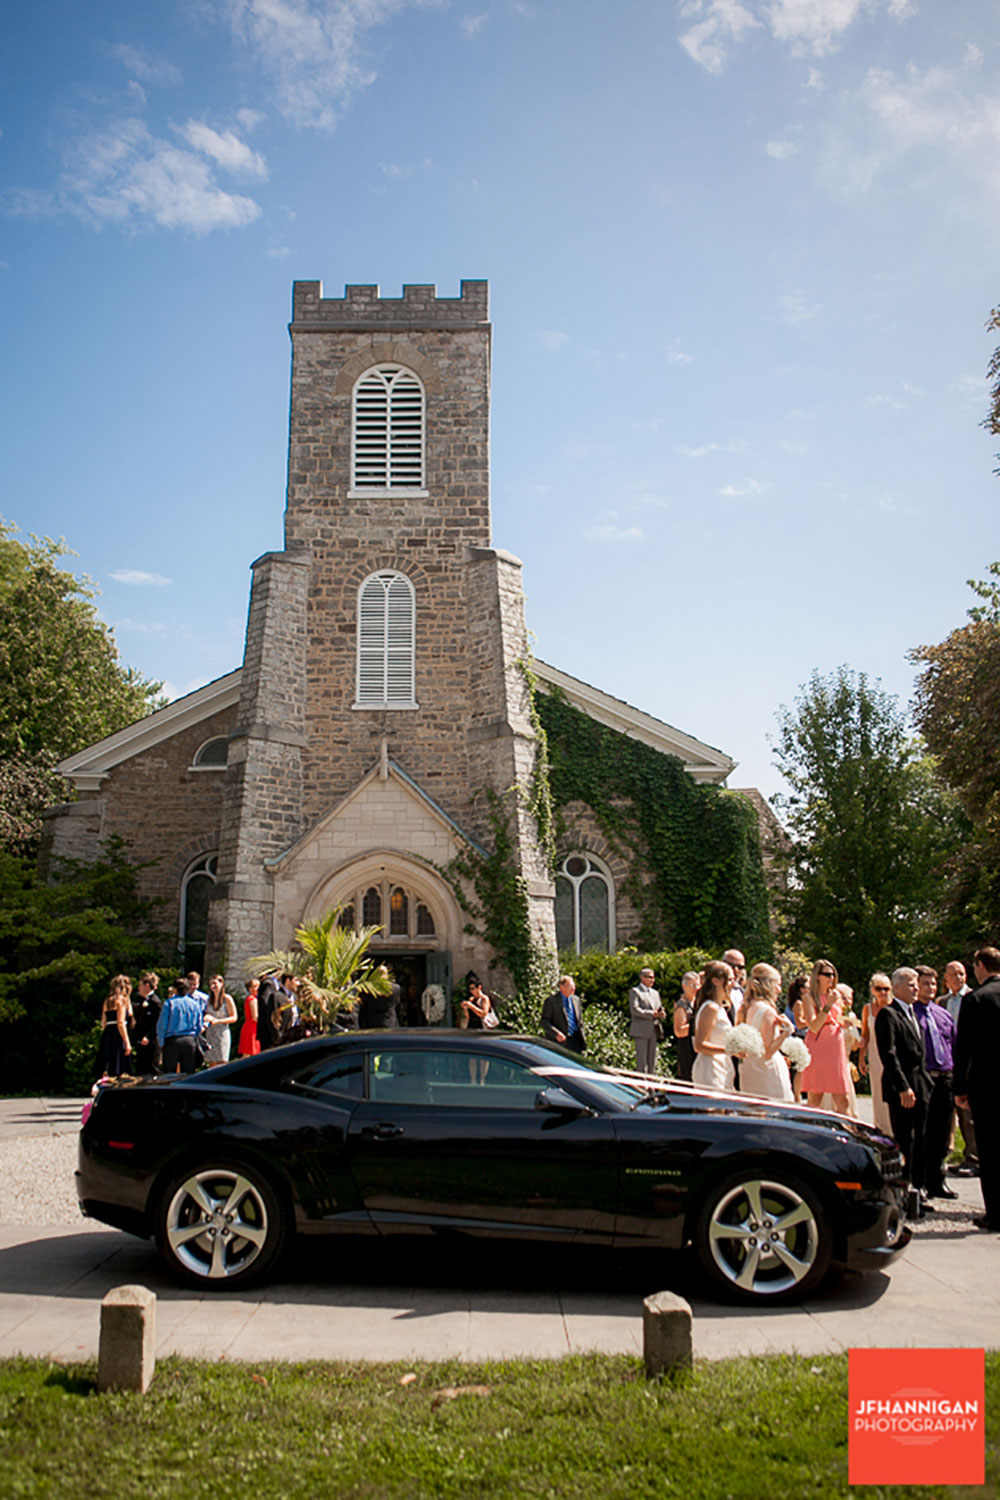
(695, 872)
(500, 911)
(538, 800)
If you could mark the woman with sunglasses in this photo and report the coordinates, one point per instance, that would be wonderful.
(827, 1071)
(869, 1061)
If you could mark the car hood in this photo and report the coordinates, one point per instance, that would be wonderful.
(752, 1107)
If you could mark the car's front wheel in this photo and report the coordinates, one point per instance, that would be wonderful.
(221, 1225)
(763, 1238)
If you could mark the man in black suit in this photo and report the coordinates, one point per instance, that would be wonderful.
(562, 1020)
(977, 1057)
(381, 1012)
(906, 1086)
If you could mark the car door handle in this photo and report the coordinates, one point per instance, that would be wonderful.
(381, 1132)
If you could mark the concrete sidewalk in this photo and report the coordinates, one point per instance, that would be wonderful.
(435, 1299)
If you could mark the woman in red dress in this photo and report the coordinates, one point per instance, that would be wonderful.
(249, 1045)
(827, 1071)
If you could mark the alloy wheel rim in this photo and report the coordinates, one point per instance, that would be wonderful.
(217, 1224)
(763, 1237)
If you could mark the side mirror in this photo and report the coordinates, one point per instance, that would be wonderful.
(558, 1100)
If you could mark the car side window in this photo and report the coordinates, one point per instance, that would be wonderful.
(452, 1079)
(337, 1075)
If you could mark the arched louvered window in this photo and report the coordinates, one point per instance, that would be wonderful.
(388, 430)
(386, 638)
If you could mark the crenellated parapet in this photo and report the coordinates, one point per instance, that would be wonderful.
(361, 308)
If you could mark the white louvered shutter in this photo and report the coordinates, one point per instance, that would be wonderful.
(386, 610)
(388, 430)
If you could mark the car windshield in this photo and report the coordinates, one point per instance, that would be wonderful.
(616, 1092)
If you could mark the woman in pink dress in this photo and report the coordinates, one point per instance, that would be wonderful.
(827, 1071)
(249, 1045)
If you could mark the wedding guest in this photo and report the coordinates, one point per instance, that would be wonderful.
(977, 1053)
(713, 1067)
(870, 1062)
(939, 1037)
(220, 1013)
(646, 1014)
(248, 1045)
(827, 1072)
(178, 1029)
(683, 1022)
(147, 1012)
(795, 1013)
(955, 990)
(768, 1074)
(114, 1055)
(904, 1076)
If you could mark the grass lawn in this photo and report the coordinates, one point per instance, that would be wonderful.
(581, 1427)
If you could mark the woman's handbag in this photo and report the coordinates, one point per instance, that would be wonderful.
(491, 1020)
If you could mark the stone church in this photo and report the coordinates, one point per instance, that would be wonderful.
(382, 693)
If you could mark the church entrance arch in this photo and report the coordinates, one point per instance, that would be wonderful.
(420, 920)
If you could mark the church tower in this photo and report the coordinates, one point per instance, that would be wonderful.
(382, 697)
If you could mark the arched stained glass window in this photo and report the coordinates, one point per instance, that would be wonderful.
(399, 913)
(386, 642)
(585, 904)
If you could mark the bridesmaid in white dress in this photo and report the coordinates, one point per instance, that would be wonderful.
(870, 1061)
(713, 1067)
(767, 1075)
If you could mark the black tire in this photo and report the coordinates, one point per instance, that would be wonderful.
(220, 1225)
(763, 1237)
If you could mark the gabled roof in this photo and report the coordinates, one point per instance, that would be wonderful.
(701, 761)
(88, 768)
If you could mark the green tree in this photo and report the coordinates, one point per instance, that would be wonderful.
(61, 940)
(62, 684)
(957, 708)
(872, 826)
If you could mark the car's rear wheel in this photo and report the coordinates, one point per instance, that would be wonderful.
(221, 1225)
(763, 1238)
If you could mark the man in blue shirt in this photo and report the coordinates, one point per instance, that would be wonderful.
(178, 1028)
(938, 1030)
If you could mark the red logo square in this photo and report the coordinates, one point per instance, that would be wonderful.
(915, 1416)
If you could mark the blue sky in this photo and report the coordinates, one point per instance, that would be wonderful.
(741, 254)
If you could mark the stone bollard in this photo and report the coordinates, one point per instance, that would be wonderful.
(127, 1361)
(666, 1334)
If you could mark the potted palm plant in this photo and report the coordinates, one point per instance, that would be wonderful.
(332, 969)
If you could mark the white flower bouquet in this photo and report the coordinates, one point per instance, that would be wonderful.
(795, 1049)
(745, 1041)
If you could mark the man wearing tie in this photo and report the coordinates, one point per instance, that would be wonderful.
(906, 1087)
(562, 1021)
(645, 1008)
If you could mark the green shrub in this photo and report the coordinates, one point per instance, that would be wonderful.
(608, 1041)
(81, 1059)
(606, 978)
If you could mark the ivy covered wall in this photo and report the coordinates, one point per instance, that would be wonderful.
(693, 852)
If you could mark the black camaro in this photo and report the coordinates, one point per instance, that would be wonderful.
(403, 1132)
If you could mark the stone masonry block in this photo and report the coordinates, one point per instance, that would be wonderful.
(666, 1334)
(126, 1358)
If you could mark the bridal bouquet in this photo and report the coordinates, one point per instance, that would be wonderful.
(797, 1053)
(745, 1041)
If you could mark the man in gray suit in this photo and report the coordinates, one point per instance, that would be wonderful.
(645, 1009)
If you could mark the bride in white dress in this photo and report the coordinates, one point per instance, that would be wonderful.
(713, 1067)
(767, 1075)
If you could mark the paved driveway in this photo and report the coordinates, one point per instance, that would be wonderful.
(358, 1299)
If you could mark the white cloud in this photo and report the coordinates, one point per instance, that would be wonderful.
(781, 150)
(701, 452)
(124, 175)
(940, 117)
(793, 447)
(139, 579)
(805, 26)
(797, 310)
(652, 425)
(553, 338)
(312, 50)
(724, 21)
(142, 64)
(879, 399)
(749, 487)
(232, 154)
(472, 24)
(815, 79)
(614, 533)
(279, 252)
(676, 355)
